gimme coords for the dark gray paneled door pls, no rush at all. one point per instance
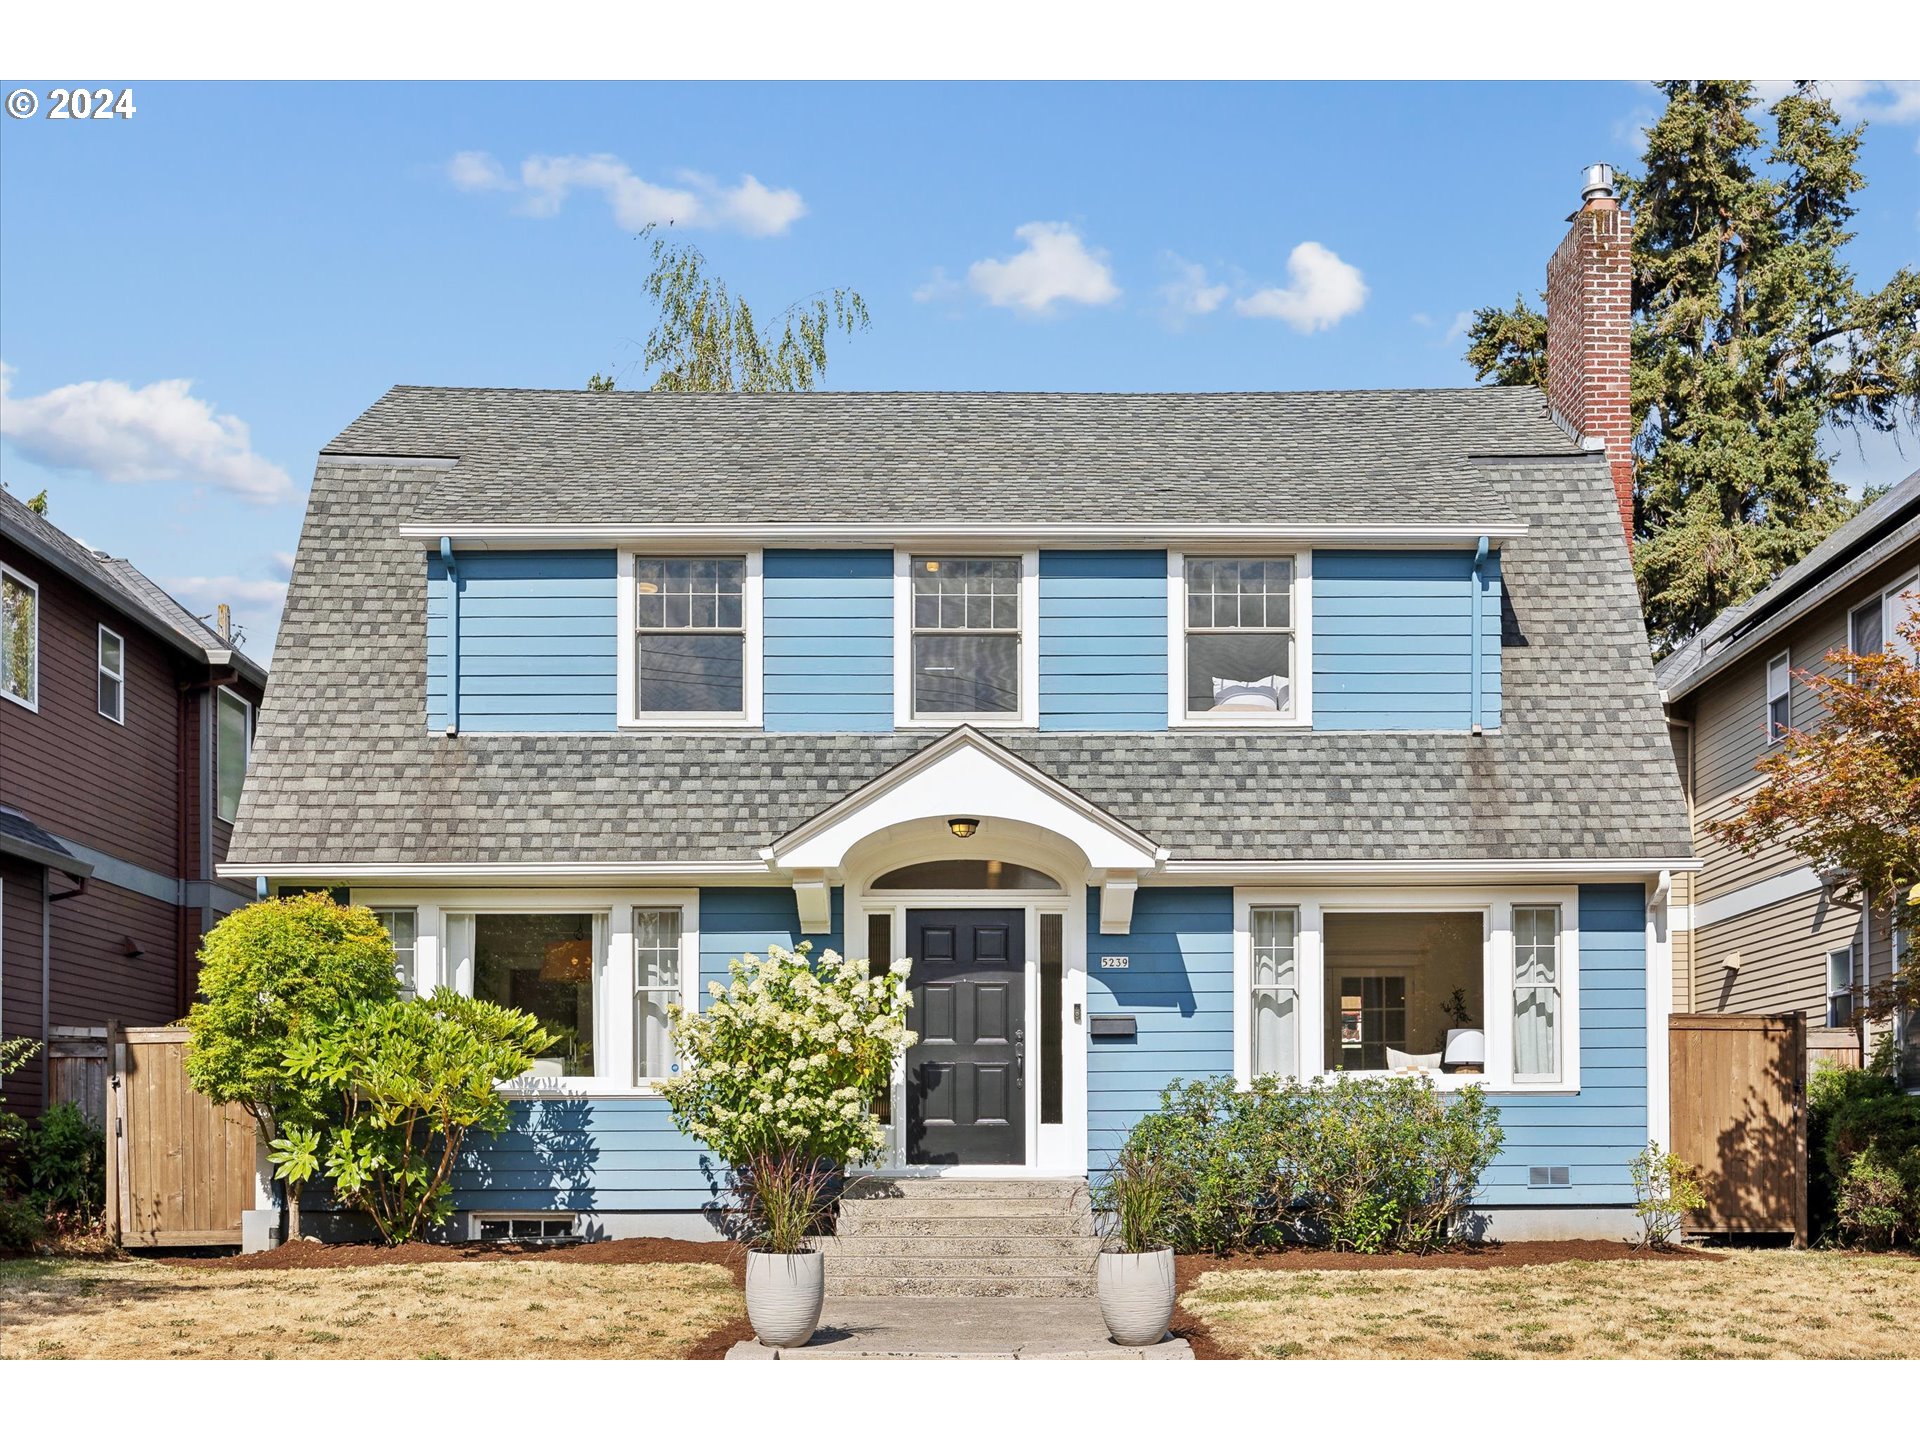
(966, 1091)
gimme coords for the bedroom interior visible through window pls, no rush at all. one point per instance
(1239, 637)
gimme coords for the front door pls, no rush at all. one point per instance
(966, 1080)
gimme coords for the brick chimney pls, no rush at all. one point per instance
(1589, 330)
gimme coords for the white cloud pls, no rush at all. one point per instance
(1056, 265)
(1893, 101)
(1462, 322)
(1322, 290)
(694, 202)
(938, 287)
(158, 433)
(1190, 291)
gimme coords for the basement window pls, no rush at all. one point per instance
(526, 1229)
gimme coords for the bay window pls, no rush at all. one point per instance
(965, 636)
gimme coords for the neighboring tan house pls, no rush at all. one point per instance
(124, 730)
(1762, 934)
(1171, 735)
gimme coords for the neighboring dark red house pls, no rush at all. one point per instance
(125, 725)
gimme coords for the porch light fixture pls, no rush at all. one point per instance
(963, 827)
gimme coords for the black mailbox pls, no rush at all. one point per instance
(1113, 1027)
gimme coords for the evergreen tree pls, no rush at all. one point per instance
(1749, 334)
(704, 337)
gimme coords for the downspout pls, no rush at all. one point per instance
(453, 635)
(1473, 623)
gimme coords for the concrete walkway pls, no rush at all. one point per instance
(918, 1329)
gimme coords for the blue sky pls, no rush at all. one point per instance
(194, 300)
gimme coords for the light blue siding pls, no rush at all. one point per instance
(1393, 640)
(538, 640)
(744, 920)
(1178, 984)
(828, 637)
(1103, 640)
(1596, 1132)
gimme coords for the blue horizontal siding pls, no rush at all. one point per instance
(1393, 640)
(538, 636)
(828, 640)
(1103, 640)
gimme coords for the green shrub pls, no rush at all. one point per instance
(1369, 1164)
(1864, 1135)
(20, 1224)
(67, 1166)
(1666, 1189)
(1878, 1204)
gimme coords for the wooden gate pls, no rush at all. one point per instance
(179, 1168)
(77, 1069)
(1739, 1114)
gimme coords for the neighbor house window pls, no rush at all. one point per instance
(1399, 986)
(402, 927)
(1274, 932)
(657, 985)
(19, 639)
(1876, 624)
(112, 660)
(231, 744)
(1536, 992)
(1239, 638)
(546, 965)
(1779, 697)
(1840, 988)
(966, 636)
(690, 636)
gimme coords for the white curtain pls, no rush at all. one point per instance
(1276, 1028)
(1536, 992)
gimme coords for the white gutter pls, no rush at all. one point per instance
(316, 870)
(1234, 871)
(886, 533)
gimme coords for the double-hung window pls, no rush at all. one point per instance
(112, 660)
(1239, 639)
(19, 639)
(1536, 992)
(656, 985)
(402, 925)
(966, 643)
(233, 740)
(1840, 988)
(690, 637)
(1876, 624)
(1274, 931)
(1779, 697)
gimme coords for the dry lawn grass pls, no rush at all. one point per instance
(56, 1309)
(1749, 1305)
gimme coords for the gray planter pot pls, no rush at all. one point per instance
(1136, 1295)
(784, 1294)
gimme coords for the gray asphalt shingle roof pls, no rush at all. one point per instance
(1330, 457)
(345, 768)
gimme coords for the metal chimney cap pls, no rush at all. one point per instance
(1596, 182)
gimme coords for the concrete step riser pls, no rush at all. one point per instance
(963, 1225)
(870, 1189)
(984, 1207)
(984, 1266)
(959, 1288)
(1046, 1247)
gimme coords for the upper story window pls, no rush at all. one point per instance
(1779, 696)
(233, 741)
(19, 639)
(691, 651)
(113, 676)
(1840, 1003)
(968, 650)
(1239, 660)
(1876, 624)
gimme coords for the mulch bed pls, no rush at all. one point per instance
(311, 1255)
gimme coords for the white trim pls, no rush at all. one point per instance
(1518, 869)
(1494, 903)
(1299, 716)
(1785, 660)
(1026, 717)
(7, 572)
(891, 535)
(751, 715)
(403, 872)
(1787, 885)
(1659, 1009)
(245, 760)
(102, 672)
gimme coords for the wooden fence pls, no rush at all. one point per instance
(1738, 1086)
(180, 1169)
(77, 1069)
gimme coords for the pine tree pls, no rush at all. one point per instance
(1750, 334)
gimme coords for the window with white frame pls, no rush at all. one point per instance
(19, 639)
(233, 740)
(1536, 992)
(1779, 696)
(112, 663)
(965, 624)
(1274, 933)
(657, 984)
(1840, 988)
(1239, 647)
(690, 636)
(1876, 624)
(1404, 990)
(402, 926)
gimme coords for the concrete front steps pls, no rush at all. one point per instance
(1014, 1239)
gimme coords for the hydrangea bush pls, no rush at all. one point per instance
(779, 1074)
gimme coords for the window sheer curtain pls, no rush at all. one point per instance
(1276, 991)
(1536, 992)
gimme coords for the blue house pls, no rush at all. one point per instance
(1171, 735)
